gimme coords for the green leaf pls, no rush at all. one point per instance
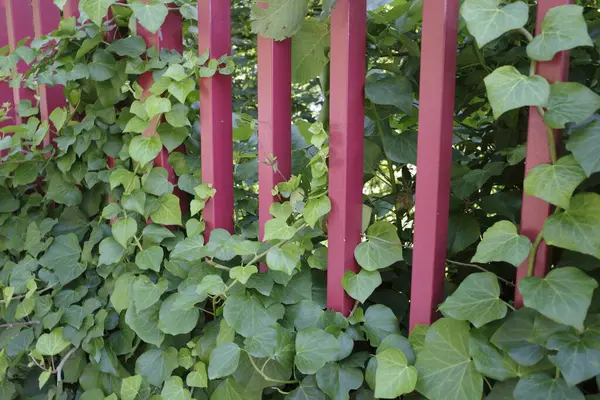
(278, 229)
(62, 192)
(309, 45)
(176, 321)
(145, 324)
(487, 21)
(394, 377)
(476, 300)
(578, 357)
(285, 258)
(247, 315)
(176, 72)
(360, 286)
(111, 252)
(123, 230)
(282, 19)
(58, 118)
(132, 46)
(157, 182)
(96, 10)
(508, 89)
(446, 371)
(169, 212)
(120, 295)
(392, 91)
(545, 387)
(501, 242)
(51, 344)
(224, 360)
(157, 105)
(380, 322)
(198, 377)
(577, 228)
(181, 90)
(130, 387)
(315, 209)
(570, 102)
(395, 341)
(137, 125)
(44, 376)
(103, 66)
(62, 257)
(157, 365)
(463, 231)
(584, 143)
(178, 116)
(145, 293)
(190, 249)
(338, 380)
(150, 258)
(150, 15)
(555, 183)
(174, 390)
(382, 248)
(229, 389)
(314, 349)
(563, 28)
(514, 337)
(144, 149)
(307, 390)
(172, 137)
(243, 274)
(489, 360)
(564, 295)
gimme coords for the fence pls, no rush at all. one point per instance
(33, 18)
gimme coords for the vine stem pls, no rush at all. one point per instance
(479, 267)
(265, 376)
(59, 369)
(533, 252)
(12, 325)
(38, 293)
(216, 265)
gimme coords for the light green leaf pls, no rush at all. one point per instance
(198, 377)
(247, 315)
(121, 294)
(285, 258)
(570, 102)
(446, 371)
(133, 202)
(132, 46)
(58, 118)
(584, 143)
(111, 252)
(150, 15)
(176, 72)
(172, 137)
(224, 360)
(174, 390)
(156, 182)
(578, 357)
(176, 321)
(145, 293)
(130, 387)
(169, 212)
(157, 365)
(43, 378)
(508, 89)
(314, 349)
(144, 149)
(280, 20)
(137, 125)
(150, 258)
(394, 377)
(563, 28)
(51, 344)
(309, 45)
(501, 242)
(360, 286)
(157, 105)
(337, 380)
(243, 274)
(476, 300)
(315, 209)
(96, 10)
(544, 387)
(178, 116)
(278, 229)
(190, 249)
(123, 230)
(380, 322)
(564, 295)
(487, 21)
(577, 228)
(395, 341)
(382, 248)
(555, 183)
(229, 389)
(181, 90)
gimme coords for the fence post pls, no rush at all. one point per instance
(535, 210)
(434, 157)
(346, 145)
(214, 35)
(6, 93)
(274, 120)
(71, 9)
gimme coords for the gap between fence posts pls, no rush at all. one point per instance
(535, 211)
(346, 145)
(434, 157)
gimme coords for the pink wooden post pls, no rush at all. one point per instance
(534, 210)
(348, 44)
(71, 9)
(434, 157)
(6, 93)
(214, 33)
(274, 119)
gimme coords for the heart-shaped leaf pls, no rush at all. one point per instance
(501, 242)
(570, 102)
(360, 286)
(487, 21)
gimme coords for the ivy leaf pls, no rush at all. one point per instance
(476, 300)
(380, 322)
(169, 212)
(243, 274)
(309, 45)
(224, 360)
(157, 182)
(157, 105)
(285, 258)
(446, 371)
(280, 20)
(501, 242)
(513, 337)
(181, 90)
(315, 209)
(174, 390)
(144, 149)
(360, 286)
(145, 293)
(198, 377)
(578, 357)
(563, 28)
(96, 10)
(555, 183)
(58, 117)
(176, 321)
(392, 91)
(399, 342)
(150, 258)
(229, 389)
(157, 365)
(172, 137)
(111, 252)
(487, 21)
(103, 66)
(130, 387)
(545, 387)
(151, 15)
(132, 202)
(338, 380)
(247, 315)
(51, 344)
(278, 229)
(490, 361)
(463, 231)
(307, 390)
(314, 349)
(584, 143)
(382, 248)
(564, 295)
(508, 89)
(145, 324)
(60, 191)
(393, 377)
(577, 228)
(132, 46)
(123, 230)
(570, 102)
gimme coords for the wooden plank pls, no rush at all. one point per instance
(434, 157)
(348, 44)
(6, 92)
(214, 34)
(534, 211)
(274, 121)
